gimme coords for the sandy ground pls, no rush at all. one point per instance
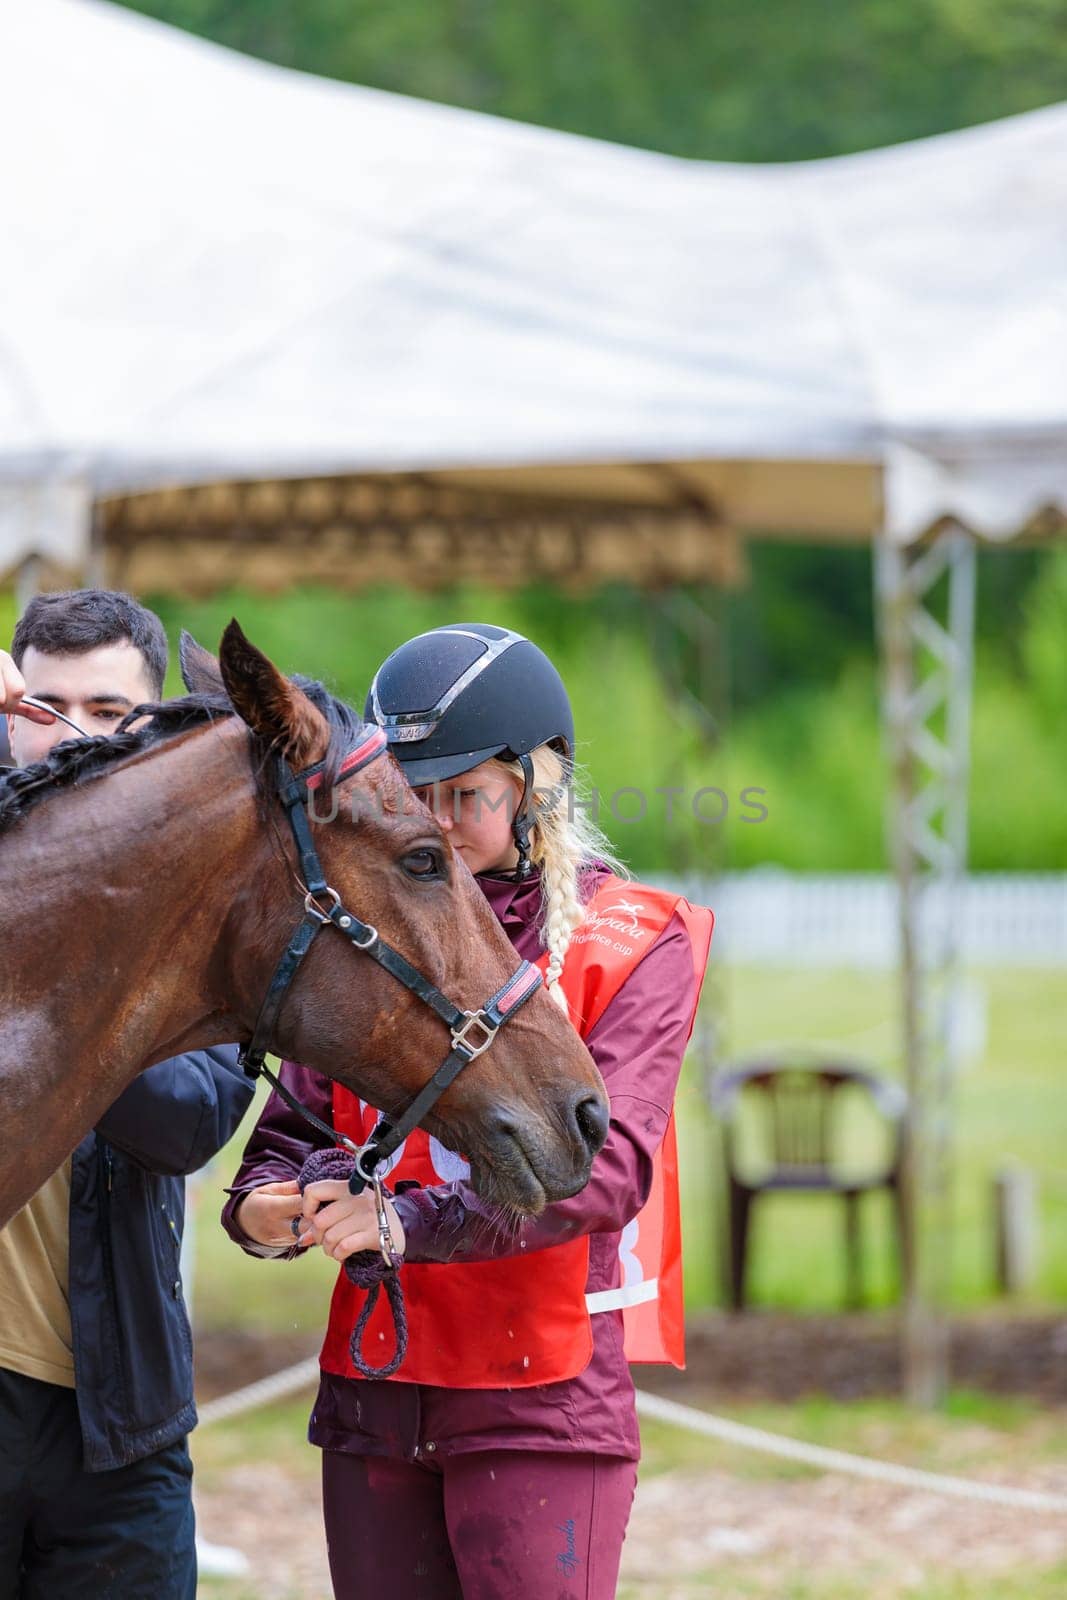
(716, 1532)
(692, 1533)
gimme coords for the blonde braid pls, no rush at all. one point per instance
(563, 910)
(563, 840)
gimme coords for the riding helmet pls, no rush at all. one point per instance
(451, 698)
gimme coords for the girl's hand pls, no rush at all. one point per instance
(266, 1213)
(343, 1223)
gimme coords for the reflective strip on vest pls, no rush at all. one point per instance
(619, 1299)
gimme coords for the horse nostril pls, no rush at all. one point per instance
(504, 1126)
(591, 1115)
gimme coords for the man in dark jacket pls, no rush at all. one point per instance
(96, 1383)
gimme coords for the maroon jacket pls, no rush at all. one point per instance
(638, 1044)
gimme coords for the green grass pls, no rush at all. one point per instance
(237, 1589)
(1008, 1104)
(971, 1432)
(273, 1433)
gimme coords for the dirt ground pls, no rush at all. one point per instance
(697, 1531)
(768, 1356)
(693, 1533)
(759, 1356)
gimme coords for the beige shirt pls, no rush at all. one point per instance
(35, 1336)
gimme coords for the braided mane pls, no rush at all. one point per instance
(76, 762)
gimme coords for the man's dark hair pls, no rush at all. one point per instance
(82, 619)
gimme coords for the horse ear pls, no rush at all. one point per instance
(200, 670)
(276, 709)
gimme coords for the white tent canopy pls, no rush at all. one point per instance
(214, 268)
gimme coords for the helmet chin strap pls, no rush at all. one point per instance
(520, 827)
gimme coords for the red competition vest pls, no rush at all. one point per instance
(524, 1320)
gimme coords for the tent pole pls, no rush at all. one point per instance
(925, 607)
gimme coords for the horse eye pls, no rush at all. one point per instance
(422, 864)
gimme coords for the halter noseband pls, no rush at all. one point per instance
(472, 1032)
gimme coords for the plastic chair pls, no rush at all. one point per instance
(799, 1103)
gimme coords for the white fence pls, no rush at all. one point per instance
(774, 917)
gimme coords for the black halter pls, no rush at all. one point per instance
(471, 1031)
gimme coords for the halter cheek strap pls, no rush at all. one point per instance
(520, 828)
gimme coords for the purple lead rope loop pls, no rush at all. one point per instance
(390, 1276)
(368, 1269)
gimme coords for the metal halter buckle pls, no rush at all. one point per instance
(475, 1019)
(313, 909)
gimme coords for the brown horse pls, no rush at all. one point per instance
(144, 908)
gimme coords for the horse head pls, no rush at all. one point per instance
(530, 1112)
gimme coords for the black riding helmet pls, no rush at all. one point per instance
(452, 698)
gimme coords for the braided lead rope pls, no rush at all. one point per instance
(367, 1270)
(395, 1296)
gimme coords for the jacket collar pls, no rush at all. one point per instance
(513, 903)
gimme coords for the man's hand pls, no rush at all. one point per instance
(266, 1214)
(12, 689)
(343, 1223)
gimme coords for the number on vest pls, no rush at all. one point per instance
(632, 1270)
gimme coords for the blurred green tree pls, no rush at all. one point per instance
(729, 81)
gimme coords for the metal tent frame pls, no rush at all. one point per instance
(925, 612)
(925, 596)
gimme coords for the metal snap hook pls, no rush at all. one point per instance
(385, 1233)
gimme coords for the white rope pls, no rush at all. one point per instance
(278, 1387)
(293, 1379)
(817, 1455)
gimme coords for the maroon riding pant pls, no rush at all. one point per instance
(494, 1525)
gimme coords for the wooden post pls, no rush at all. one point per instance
(1015, 1226)
(27, 581)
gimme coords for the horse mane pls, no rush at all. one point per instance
(76, 762)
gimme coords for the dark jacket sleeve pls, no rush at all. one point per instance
(280, 1143)
(638, 1044)
(178, 1114)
